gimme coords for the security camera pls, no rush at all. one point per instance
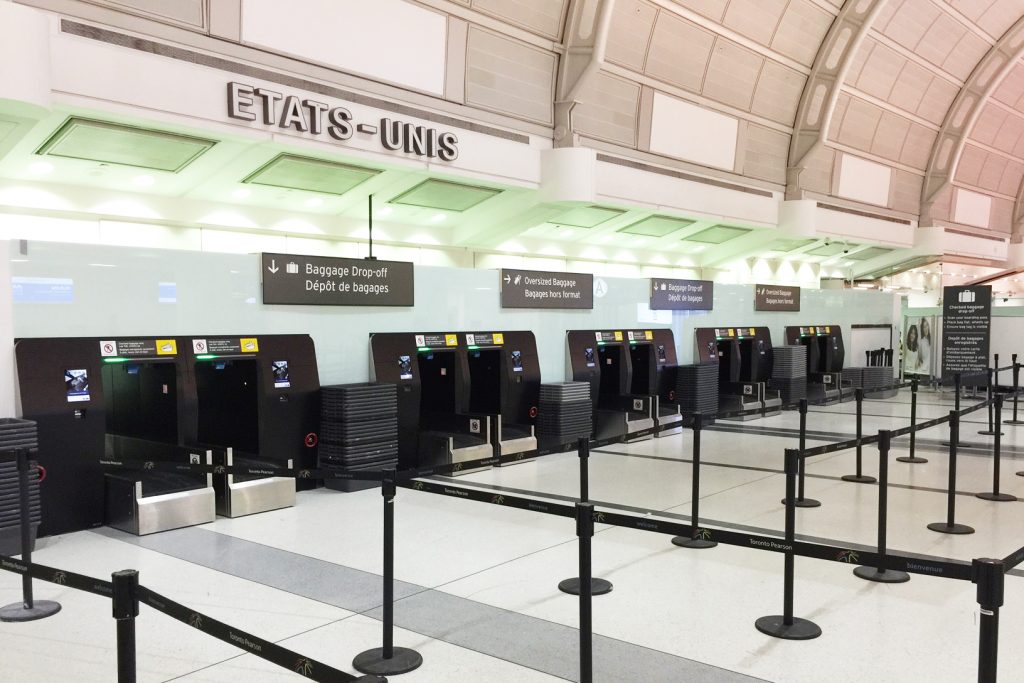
(846, 251)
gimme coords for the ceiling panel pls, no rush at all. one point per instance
(869, 253)
(607, 109)
(112, 143)
(310, 175)
(540, 16)
(755, 19)
(679, 52)
(801, 31)
(778, 91)
(656, 226)
(732, 74)
(717, 234)
(830, 249)
(632, 23)
(712, 9)
(787, 245)
(508, 76)
(586, 216)
(446, 195)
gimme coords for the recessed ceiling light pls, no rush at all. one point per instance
(41, 168)
(385, 211)
(314, 201)
(437, 218)
(567, 232)
(241, 193)
(699, 249)
(143, 180)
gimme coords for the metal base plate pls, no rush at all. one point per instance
(40, 610)
(990, 432)
(698, 543)
(597, 586)
(1013, 422)
(914, 460)
(863, 479)
(403, 660)
(996, 497)
(804, 502)
(800, 629)
(883, 576)
(944, 528)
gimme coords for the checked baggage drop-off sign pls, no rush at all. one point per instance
(325, 281)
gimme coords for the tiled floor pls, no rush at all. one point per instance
(477, 593)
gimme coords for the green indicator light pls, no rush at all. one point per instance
(474, 346)
(206, 356)
(600, 343)
(423, 348)
(115, 360)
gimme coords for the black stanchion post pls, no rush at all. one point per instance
(880, 572)
(994, 494)
(912, 458)
(572, 586)
(785, 625)
(991, 431)
(1016, 390)
(950, 526)
(585, 532)
(859, 477)
(125, 606)
(29, 609)
(697, 538)
(388, 660)
(989, 577)
(801, 501)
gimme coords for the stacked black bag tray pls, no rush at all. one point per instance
(697, 388)
(358, 430)
(15, 434)
(877, 377)
(789, 372)
(565, 413)
(854, 377)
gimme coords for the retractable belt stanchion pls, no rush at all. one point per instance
(1016, 390)
(912, 458)
(950, 526)
(388, 660)
(957, 383)
(801, 501)
(585, 532)
(697, 540)
(989, 577)
(785, 625)
(991, 431)
(572, 586)
(994, 494)
(859, 477)
(125, 604)
(880, 572)
(29, 609)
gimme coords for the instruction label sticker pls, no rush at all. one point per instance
(250, 344)
(166, 347)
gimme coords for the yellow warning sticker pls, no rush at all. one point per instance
(166, 347)
(828, 329)
(811, 329)
(648, 335)
(250, 344)
(752, 331)
(499, 338)
(451, 340)
(732, 332)
(618, 336)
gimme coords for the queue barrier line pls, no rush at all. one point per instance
(1013, 559)
(259, 647)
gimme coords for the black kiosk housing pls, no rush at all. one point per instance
(632, 380)
(825, 356)
(461, 395)
(138, 398)
(744, 358)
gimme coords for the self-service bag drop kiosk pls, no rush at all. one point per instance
(136, 399)
(825, 356)
(604, 358)
(461, 395)
(744, 359)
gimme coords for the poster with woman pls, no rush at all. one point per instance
(919, 350)
(911, 349)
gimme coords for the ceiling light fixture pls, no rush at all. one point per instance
(41, 168)
(437, 218)
(241, 193)
(143, 180)
(314, 202)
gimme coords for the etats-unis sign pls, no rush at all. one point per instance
(304, 115)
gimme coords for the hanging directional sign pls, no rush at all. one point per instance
(325, 281)
(543, 289)
(776, 298)
(682, 295)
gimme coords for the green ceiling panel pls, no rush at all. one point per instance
(445, 195)
(717, 234)
(656, 226)
(586, 216)
(310, 175)
(869, 253)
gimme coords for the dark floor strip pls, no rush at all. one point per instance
(517, 638)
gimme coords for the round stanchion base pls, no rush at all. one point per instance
(40, 610)
(698, 543)
(804, 502)
(990, 432)
(862, 479)
(914, 461)
(1013, 422)
(944, 528)
(1021, 473)
(597, 586)
(775, 626)
(996, 497)
(372, 662)
(881, 576)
